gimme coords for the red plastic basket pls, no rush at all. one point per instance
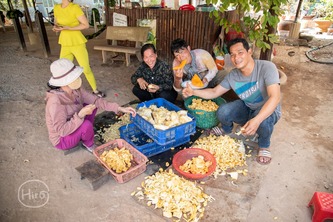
(138, 164)
(187, 154)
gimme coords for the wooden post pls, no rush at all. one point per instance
(298, 10)
(43, 34)
(294, 30)
(94, 18)
(27, 16)
(19, 31)
(3, 25)
(106, 12)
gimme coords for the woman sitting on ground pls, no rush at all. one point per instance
(70, 109)
(154, 78)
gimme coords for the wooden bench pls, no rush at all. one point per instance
(138, 35)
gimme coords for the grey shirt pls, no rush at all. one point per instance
(253, 89)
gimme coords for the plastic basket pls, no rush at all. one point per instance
(204, 119)
(164, 137)
(138, 164)
(142, 142)
(187, 154)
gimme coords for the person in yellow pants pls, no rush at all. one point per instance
(69, 20)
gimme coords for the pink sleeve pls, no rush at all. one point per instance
(58, 118)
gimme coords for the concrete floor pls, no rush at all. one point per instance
(301, 146)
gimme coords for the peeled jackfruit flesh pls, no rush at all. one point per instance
(196, 81)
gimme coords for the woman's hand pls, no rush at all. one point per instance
(153, 88)
(204, 80)
(57, 28)
(142, 83)
(129, 109)
(86, 110)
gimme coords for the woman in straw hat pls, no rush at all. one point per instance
(70, 109)
(69, 20)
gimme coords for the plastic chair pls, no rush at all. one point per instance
(187, 7)
(322, 206)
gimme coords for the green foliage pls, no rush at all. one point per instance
(154, 2)
(255, 28)
(151, 39)
(12, 14)
(324, 9)
(3, 5)
(10, 5)
(112, 3)
(6, 5)
(97, 16)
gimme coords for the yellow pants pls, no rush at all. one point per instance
(81, 55)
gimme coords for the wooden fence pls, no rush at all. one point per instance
(195, 27)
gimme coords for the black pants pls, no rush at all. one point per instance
(144, 95)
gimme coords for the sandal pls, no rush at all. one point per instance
(264, 153)
(100, 94)
(217, 131)
(89, 148)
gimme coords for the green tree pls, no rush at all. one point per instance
(324, 9)
(3, 5)
(16, 4)
(260, 29)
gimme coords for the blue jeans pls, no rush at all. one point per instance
(238, 112)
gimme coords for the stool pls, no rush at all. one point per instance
(322, 206)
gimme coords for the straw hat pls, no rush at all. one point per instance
(64, 72)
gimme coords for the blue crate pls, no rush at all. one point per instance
(139, 140)
(163, 137)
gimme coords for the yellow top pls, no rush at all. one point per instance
(68, 17)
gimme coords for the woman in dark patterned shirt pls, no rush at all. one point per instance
(154, 78)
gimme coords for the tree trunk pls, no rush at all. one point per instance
(267, 55)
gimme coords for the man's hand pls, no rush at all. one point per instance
(179, 73)
(251, 127)
(188, 91)
(204, 80)
(86, 110)
(178, 76)
(142, 83)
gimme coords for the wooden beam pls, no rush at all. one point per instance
(42, 32)
(27, 16)
(18, 29)
(298, 9)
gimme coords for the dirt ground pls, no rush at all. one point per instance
(40, 183)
